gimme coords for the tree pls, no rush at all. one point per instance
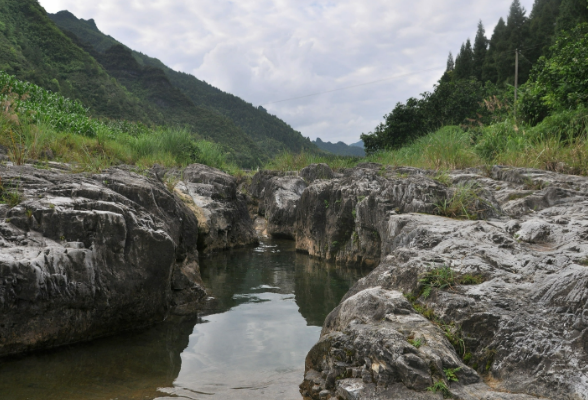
(480, 50)
(497, 47)
(464, 61)
(515, 35)
(560, 81)
(572, 12)
(405, 123)
(542, 22)
(450, 63)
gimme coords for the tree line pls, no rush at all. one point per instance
(477, 87)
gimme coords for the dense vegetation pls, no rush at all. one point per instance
(37, 125)
(477, 88)
(183, 99)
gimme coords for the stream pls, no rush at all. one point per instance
(271, 304)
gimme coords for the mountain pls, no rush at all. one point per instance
(357, 144)
(178, 94)
(340, 148)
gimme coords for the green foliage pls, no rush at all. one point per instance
(10, 196)
(559, 82)
(441, 387)
(465, 203)
(326, 204)
(416, 342)
(451, 374)
(439, 278)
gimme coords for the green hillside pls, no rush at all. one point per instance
(340, 148)
(270, 133)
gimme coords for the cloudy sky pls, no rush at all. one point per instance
(266, 51)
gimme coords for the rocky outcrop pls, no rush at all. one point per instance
(275, 197)
(223, 217)
(83, 256)
(506, 319)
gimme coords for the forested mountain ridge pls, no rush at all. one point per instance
(477, 88)
(270, 133)
(340, 148)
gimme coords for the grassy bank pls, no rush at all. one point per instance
(556, 144)
(37, 125)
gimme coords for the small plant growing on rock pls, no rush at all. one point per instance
(416, 342)
(354, 213)
(450, 374)
(465, 203)
(29, 213)
(443, 178)
(326, 204)
(440, 278)
(52, 206)
(441, 387)
(171, 182)
(583, 262)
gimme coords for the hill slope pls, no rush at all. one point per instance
(340, 148)
(270, 133)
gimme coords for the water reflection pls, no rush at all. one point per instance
(271, 305)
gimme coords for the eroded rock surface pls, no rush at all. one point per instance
(224, 221)
(84, 256)
(517, 329)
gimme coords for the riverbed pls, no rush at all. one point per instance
(270, 305)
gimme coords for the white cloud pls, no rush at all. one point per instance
(269, 50)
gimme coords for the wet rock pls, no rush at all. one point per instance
(85, 256)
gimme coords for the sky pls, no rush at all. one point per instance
(267, 51)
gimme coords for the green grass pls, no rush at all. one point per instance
(465, 203)
(38, 125)
(440, 387)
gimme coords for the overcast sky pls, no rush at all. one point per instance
(265, 51)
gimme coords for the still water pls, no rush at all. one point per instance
(272, 303)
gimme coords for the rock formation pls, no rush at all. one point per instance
(490, 304)
(89, 255)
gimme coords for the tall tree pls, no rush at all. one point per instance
(480, 50)
(515, 35)
(572, 12)
(450, 63)
(464, 62)
(542, 22)
(496, 48)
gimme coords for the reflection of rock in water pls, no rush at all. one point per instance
(320, 287)
(130, 366)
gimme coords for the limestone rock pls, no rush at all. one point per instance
(85, 256)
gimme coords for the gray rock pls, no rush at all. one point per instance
(223, 218)
(85, 256)
(518, 332)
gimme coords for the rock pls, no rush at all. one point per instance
(277, 196)
(514, 313)
(85, 256)
(316, 171)
(223, 219)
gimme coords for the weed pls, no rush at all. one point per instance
(11, 197)
(416, 342)
(360, 199)
(338, 201)
(530, 184)
(443, 178)
(440, 278)
(326, 204)
(519, 195)
(62, 238)
(440, 387)
(465, 203)
(171, 182)
(52, 206)
(334, 244)
(469, 279)
(355, 238)
(583, 262)
(354, 213)
(29, 213)
(450, 374)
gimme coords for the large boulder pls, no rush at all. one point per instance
(84, 256)
(223, 217)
